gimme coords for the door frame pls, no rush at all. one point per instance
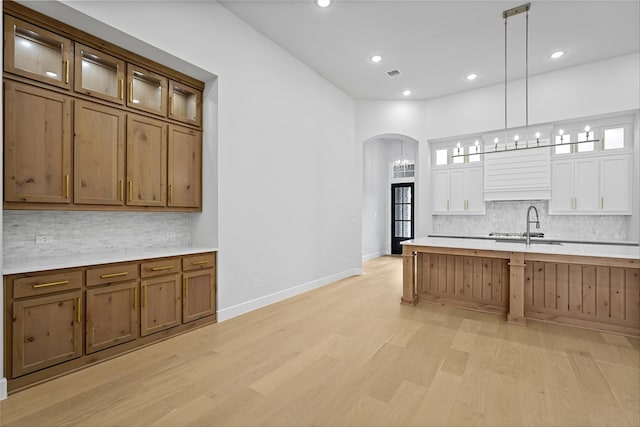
(413, 208)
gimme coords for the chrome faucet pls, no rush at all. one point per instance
(537, 221)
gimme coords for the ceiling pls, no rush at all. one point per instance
(435, 44)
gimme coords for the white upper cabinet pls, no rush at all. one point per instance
(596, 185)
(458, 191)
(615, 184)
(457, 177)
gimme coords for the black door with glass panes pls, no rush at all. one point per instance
(401, 215)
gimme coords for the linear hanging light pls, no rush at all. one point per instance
(525, 8)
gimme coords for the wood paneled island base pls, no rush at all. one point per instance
(601, 293)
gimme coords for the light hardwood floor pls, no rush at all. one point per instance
(350, 354)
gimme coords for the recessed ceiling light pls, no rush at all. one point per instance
(376, 58)
(472, 76)
(556, 55)
(406, 92)
(323, 3)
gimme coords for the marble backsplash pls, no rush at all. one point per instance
(510, 217)
(80, 232)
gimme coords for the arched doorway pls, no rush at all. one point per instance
(388, 193)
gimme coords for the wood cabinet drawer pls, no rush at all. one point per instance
(160, 267)
(111, 274)
(41, 284)
(196, 262)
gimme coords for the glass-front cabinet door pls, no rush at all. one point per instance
(38, 54)
(147, 91)
(185, 103)
(98, 74)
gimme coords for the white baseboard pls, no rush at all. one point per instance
(254, 304)
(369, 257)
(3, 389)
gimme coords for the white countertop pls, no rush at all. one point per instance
(546, 238)
(84, 259)
(578, 249)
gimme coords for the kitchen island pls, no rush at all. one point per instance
(595, 286)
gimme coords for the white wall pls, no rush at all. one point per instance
(587, 90)
(375, 182)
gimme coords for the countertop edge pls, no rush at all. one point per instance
(98, 258)
(571, 249)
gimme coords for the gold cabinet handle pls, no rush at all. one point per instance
(186, 287)
(144, 296)
(164, 267)
(601, 202)
(121, 82)
(107, 276)
(66, 71)
(135, 298)
(131, 92)
(79, 310)
(44, 285)
(199, 262)
(130, 196)
(170, 193)
(171, 104)
(66, 186)
(447, 205)
(121, 190)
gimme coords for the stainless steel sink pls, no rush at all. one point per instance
(533, 242)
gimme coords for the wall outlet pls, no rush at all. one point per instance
(171, 234)
(43, 239)
(256, 283)
(588, 230)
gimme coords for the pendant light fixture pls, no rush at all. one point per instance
(515, 141)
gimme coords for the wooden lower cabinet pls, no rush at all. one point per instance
(62, 320)
(46, 331)
(112, 315)
(161, 304)
(199, 295)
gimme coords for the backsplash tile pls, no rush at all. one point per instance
(510, 217)
(80, 232)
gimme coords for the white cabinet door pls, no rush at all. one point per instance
(441, 191)
(474, 190)
(457, 191)
(561, 186)
(585, 184)
(615, 184)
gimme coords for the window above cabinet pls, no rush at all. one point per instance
(457, 152)
(605, 135)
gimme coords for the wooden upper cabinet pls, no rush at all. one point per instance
(185, 167)
(98, 154)
(98, 74)
(185, 103)
(146, 91)
(36, 53)
(37, 145)
(146, 161)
